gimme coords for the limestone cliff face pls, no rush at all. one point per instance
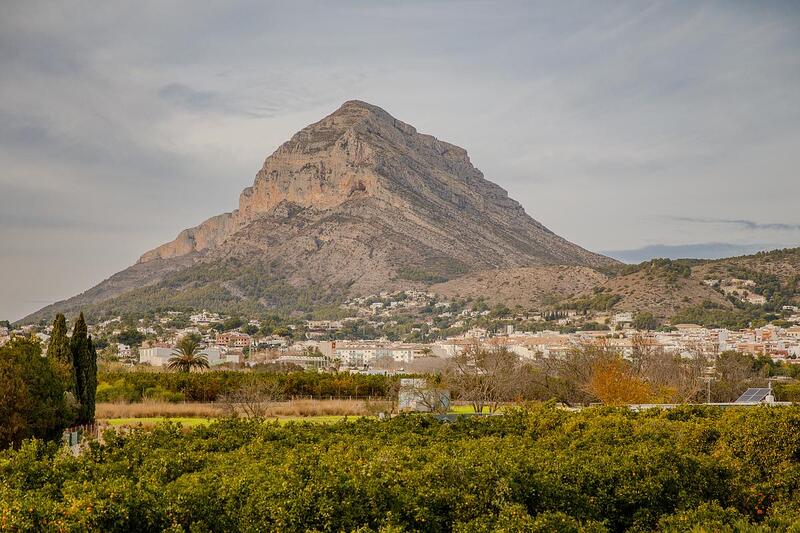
(210, 233)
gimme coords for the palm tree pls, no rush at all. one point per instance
(186, 356)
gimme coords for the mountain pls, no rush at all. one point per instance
(356, 203)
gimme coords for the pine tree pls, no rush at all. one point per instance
(84, 360)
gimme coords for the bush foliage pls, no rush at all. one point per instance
(121, 386)
(540, 469)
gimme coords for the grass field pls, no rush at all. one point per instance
(296, 408)
(465, 409)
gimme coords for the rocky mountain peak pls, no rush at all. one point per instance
(360, 159)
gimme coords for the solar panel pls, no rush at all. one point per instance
(753, 395)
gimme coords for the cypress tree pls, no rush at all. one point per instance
(58, 347)
(91, 382)
(58, 351)
(84, 361)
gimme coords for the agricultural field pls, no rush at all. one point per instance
(535, 469)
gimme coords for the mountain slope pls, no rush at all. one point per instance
(356, 203)
(529, 287)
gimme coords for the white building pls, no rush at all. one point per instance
(155, 356)
(204, 318)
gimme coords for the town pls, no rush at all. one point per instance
(414, 331)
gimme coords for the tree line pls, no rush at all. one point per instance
(487, 376)
(135, 385)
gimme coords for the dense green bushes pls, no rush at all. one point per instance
(211, 386)
(538, 470)
(712, 315)
(32, 399)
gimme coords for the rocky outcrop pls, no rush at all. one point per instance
(210, 233)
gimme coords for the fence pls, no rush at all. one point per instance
(75, 436)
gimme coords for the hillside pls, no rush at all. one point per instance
(730, 291)
(356, 203)
(657, 289)
(528, 287)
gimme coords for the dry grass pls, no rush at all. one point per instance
(294, 408)
(326, 407)
(150, 409)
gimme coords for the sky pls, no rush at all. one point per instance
(638, 129)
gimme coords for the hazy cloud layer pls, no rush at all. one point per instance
(745, 224)
(618, 125)
(710, 250)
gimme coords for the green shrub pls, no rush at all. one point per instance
(32, 394)
(211, 386)
(117, 391)
(159, 393)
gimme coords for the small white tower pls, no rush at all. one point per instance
(769, 398)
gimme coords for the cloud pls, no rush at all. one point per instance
(154, 115)
(741, 223)
(709, 250)
(191, 99)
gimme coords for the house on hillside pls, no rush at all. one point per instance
(233, 339)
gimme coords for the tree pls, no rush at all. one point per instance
(233, 322)
(735, 373)
(32, 399)
(430, 392)
(90, 387)
(187, 356)
(566, 377)
(131, 337)
(674, 379)
(250, 329)
(645, 321)
(58, 347)
(59, 352)
(485, 376)
(253, 398)
(614, 383)
(84, 362)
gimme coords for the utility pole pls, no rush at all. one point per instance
(708, 377)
